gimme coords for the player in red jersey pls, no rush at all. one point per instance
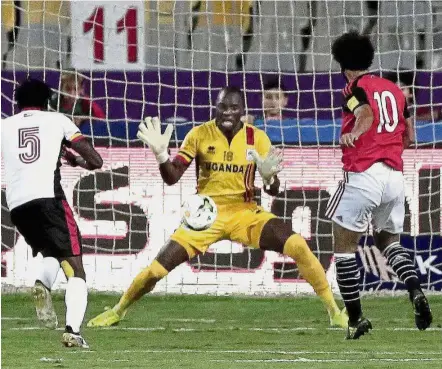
(375, 129)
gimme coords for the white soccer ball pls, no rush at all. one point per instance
(198, 212)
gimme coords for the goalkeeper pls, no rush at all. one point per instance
(227, 153)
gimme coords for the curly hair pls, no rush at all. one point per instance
(353, 51)
(32, 93)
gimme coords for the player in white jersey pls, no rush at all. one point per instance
(33, 142)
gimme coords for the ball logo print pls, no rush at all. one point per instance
(199, 212)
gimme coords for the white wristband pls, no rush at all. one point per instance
(162, 157)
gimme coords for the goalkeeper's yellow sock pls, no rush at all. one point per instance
(311, 269)
(143, 283)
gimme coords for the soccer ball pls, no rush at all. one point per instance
(199, 212)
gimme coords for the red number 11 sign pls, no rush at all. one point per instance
(108, 34)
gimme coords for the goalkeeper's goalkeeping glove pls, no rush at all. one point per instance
(270, 166)
(149, 132)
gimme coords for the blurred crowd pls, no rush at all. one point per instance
(73, 100)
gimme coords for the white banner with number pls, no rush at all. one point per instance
(107, 35)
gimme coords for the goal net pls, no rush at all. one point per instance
(169, 58)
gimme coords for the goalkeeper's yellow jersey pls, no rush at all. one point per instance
(225, 172)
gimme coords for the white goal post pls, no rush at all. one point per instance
(169, 58)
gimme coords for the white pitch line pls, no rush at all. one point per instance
(251, 329)
(275, 352)
(144, 329)
(14, 318)
(231, 321)
(223, 329)
(305, 360)
(208, 321)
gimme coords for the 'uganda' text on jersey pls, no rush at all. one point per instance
(31, 148)
(224, 172)
(383, 142)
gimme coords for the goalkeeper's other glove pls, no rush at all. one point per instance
(149, 132)
(270, 166)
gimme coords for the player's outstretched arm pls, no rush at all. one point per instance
(172, 171)
(364, 120)
(89, 158)
(149, 132)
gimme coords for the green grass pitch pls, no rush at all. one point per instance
(223, 332)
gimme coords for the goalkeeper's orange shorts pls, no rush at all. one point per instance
(242, 223)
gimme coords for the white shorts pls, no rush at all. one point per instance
(378, 193)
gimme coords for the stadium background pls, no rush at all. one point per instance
(183, 53)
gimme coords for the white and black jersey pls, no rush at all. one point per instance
(31, 148)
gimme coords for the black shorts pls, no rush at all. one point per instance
(49, 227)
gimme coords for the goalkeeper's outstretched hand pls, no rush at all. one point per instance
(270, 166)
(149, 132)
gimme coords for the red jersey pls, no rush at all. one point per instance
(384, 140)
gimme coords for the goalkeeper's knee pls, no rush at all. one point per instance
(296, 247)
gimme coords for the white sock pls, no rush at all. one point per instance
(76, 302)
(48, 270)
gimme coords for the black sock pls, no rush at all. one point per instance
(347, 276)
(37, 281)
(68, 329)
(400, 260)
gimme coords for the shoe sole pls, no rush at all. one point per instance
(361, 330)
(423, 316)
(70, 341)
(44, 308)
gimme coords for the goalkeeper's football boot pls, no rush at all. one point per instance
(422, 312)
(339, 319)
(72, 339)
(106, 319)
(43, 305)
(362, 326)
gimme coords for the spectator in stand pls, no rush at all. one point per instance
(73, 101)
(406, 83)
(274, 101)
